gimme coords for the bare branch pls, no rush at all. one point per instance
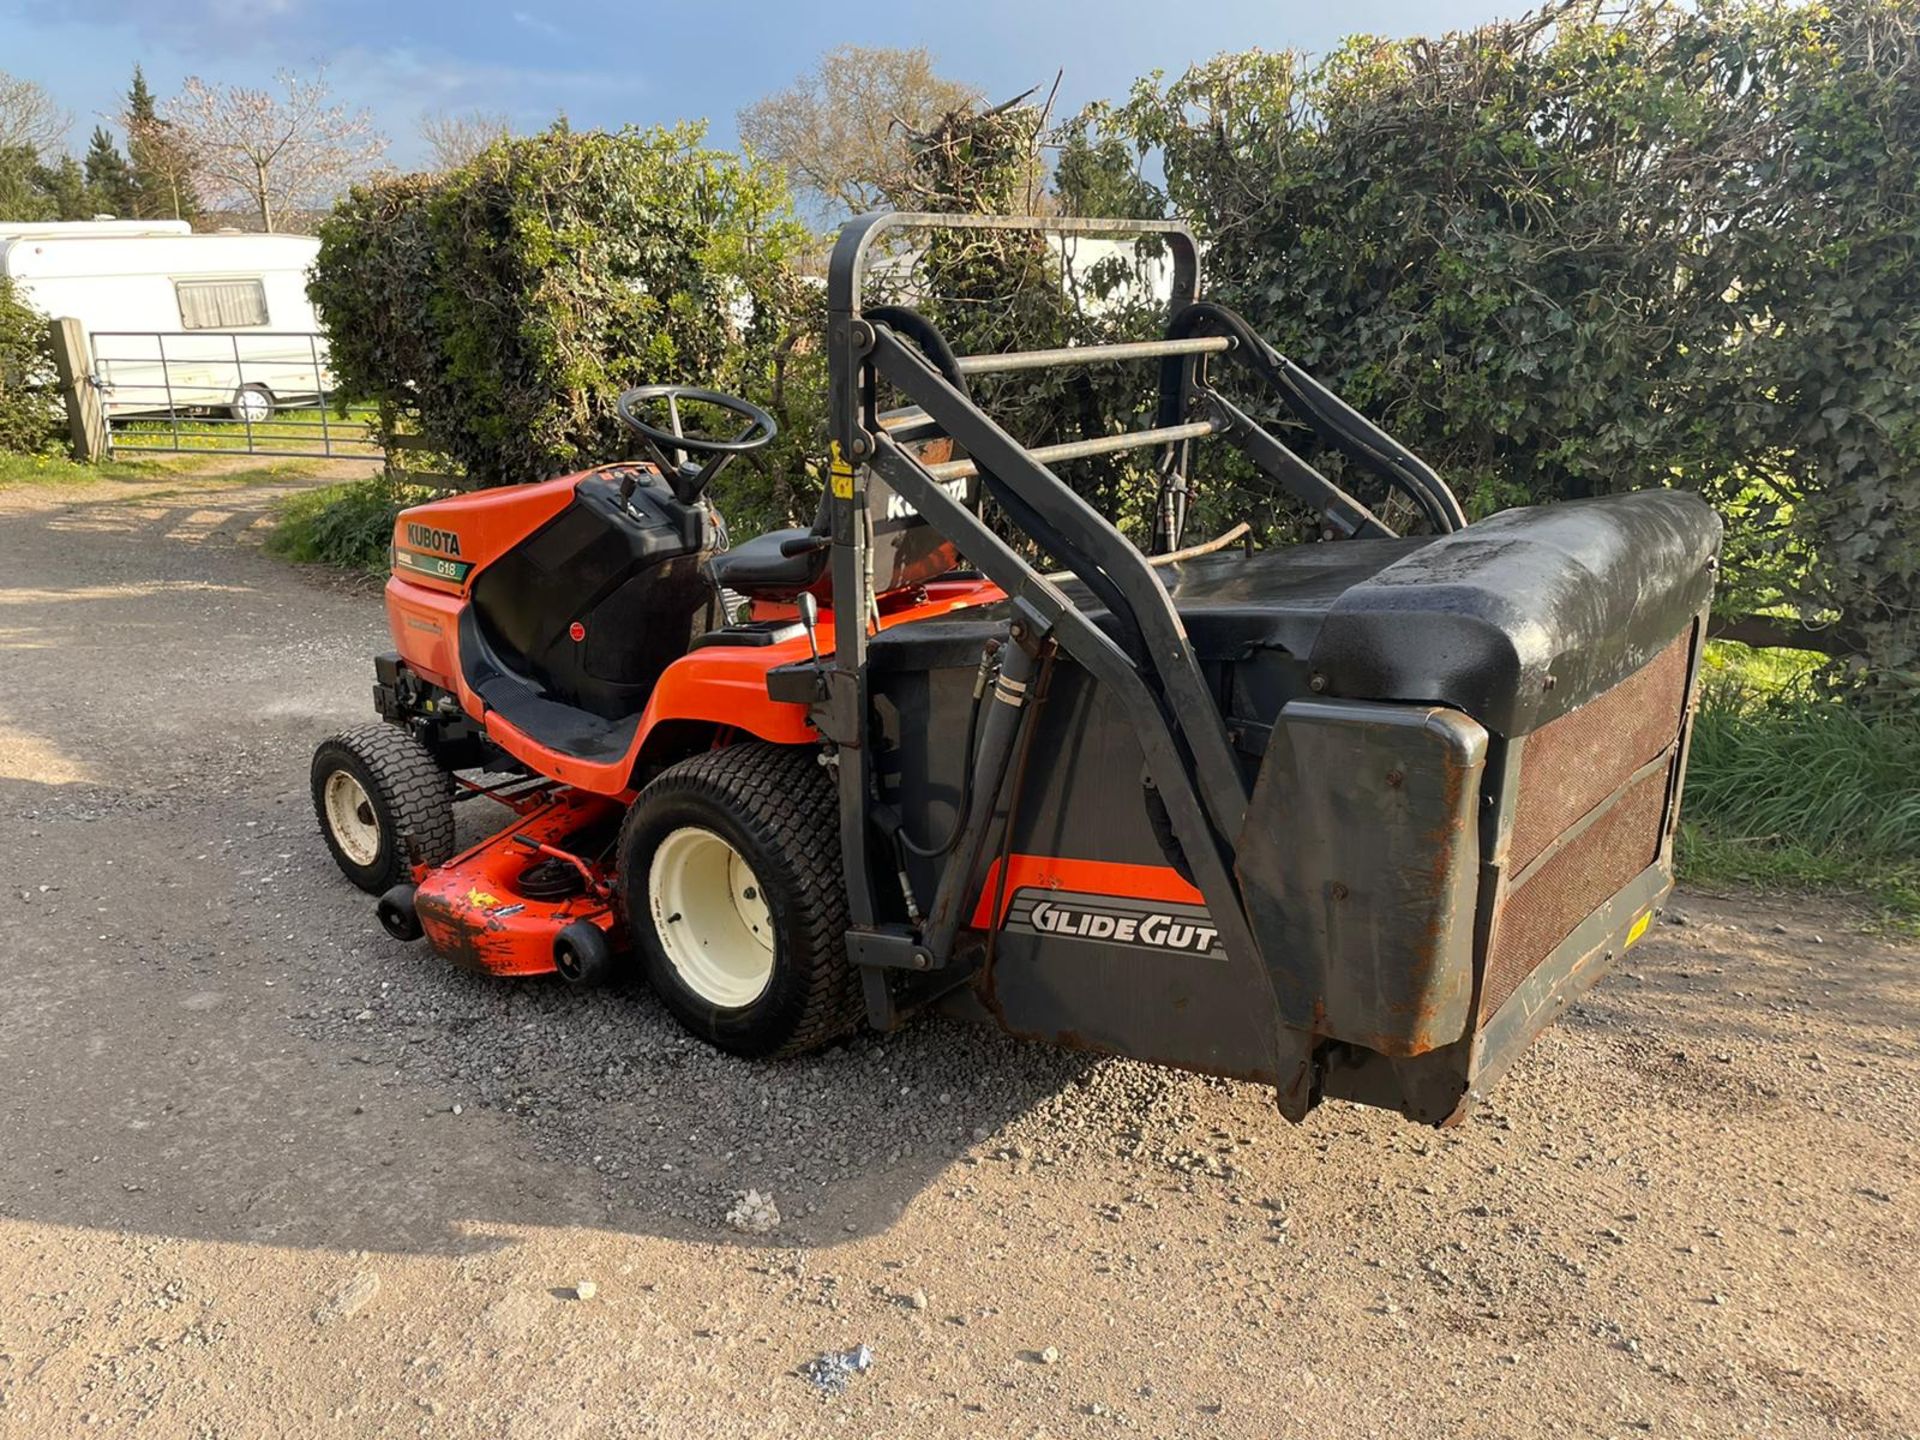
(840, 131)
(456, 140)
(273, 154)
(29, 118)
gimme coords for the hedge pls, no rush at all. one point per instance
(29, 412)
(498, 310)
(1595, 250)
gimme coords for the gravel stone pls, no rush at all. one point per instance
(753, 1213)
(350, 1299)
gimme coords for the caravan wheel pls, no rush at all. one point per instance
(252, 405)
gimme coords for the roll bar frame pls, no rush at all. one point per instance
(1148, 664)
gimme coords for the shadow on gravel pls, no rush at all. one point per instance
(205, 1034)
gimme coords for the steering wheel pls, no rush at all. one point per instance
(668, 449)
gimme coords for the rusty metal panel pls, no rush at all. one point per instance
(1565, 974)
(1590, 811)
(1359, 863)
(1572, 882)
(1573, 763)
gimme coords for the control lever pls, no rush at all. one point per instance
(809, 609)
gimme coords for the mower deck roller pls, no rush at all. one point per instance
(1353, 818)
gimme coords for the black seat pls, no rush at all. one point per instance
(904, 551)
(756, 569)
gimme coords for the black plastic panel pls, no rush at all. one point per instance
(631, 581)
(1525, 615)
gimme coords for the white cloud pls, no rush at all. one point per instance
(538, 25)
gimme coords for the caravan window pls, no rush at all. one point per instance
(221, 304)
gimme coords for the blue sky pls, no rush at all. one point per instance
(645, 61)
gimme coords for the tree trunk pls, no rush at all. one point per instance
(260, 194)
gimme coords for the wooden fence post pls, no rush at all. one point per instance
(86, 416)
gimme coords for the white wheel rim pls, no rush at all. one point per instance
(351, 819)
(254, 406)
(710, 912)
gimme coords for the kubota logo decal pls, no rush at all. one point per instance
(898, 507)
(428, 538)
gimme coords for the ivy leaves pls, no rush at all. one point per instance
(1572, 254)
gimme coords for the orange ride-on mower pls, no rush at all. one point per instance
(1353, 818)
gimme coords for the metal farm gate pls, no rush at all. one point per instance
(250, 392)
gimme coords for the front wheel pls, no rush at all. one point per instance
(730, 876)
(383, 805)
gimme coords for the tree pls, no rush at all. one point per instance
(32, 127)
(457, 139)
(22, 196)
(65, 185)
(109, 176)
(162, 166)
(273, 154)
(841, 131)
(29, 118)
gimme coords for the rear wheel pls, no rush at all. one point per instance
(382, 801)
(730, 876)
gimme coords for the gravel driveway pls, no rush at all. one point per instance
(265, 1171)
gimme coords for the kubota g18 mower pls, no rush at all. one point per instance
(1355, 818)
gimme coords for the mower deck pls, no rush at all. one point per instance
(497, 907)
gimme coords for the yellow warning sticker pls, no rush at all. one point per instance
(842, 470)
(480, 899)
(1639, 927)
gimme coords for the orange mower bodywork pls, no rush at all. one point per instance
(479, 908)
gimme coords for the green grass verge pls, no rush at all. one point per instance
(22, 470)
(348, 526)
(1790, 788)
(50, 471)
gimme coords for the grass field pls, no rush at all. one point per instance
(16, 470)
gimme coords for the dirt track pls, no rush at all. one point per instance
(263, 1171)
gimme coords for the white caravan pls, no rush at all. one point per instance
(178, 321)
(10, 229)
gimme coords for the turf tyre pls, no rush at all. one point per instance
(407, 813)
(775, 806)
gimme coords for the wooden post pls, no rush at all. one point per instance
(86, 416)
